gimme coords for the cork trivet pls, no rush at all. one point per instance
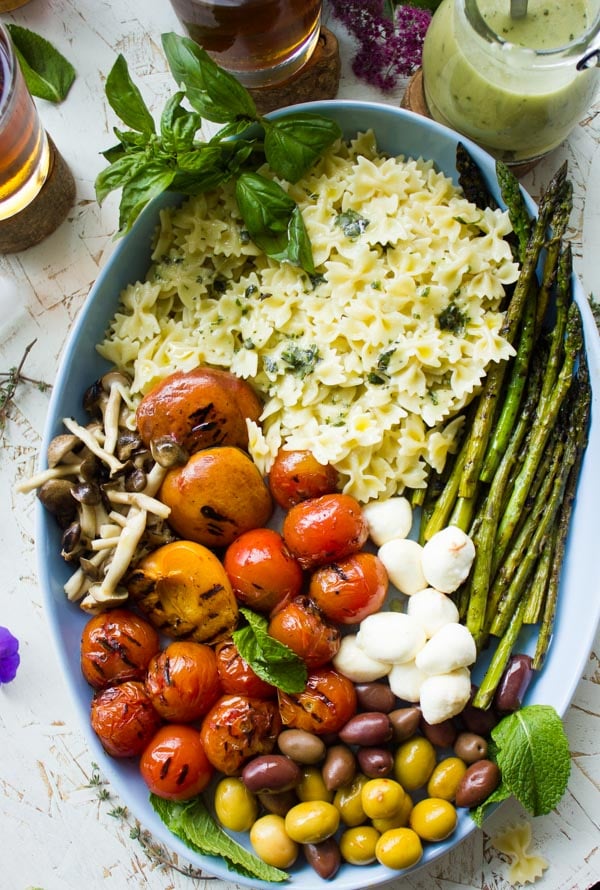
(414, 100)
(45, 213)
(318, 79)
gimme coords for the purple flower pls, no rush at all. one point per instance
(9, 655)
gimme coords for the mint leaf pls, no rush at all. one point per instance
(271, 660)
(532, 752)
(478, 814)
(192, 823)
(47, 73)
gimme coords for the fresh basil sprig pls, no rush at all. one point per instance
(149, 159)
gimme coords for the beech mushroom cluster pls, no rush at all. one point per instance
(100, 484)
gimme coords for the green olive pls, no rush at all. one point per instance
(272, 843)
(348, 801)
(414, 762)
(357, 844)
(312, 785)
(399, 848)
(398, 820)
(236, 807)
(446, 777)
(382, 798)
(312, 821)
(433, 819)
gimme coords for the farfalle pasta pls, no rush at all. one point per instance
(370, 362)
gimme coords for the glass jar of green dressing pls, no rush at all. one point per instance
(516, 86)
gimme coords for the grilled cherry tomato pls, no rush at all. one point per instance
(116, 645)
(297, 475)
(123, 718)
(262, 571)
(348, 590)
(174, 765)
(183, 681)
(236, 728)
(325, 705)
(300, 626)
(325, 529)
(237, 676)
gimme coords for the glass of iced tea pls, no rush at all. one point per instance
(261, 42)
(24, 148)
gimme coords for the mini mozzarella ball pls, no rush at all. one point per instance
(451, 647)
(402, 559)
(353, 662)
(405, 681)
(391, 636)
(388, 519)
(432, 609)
(447, 559)
(443, 696)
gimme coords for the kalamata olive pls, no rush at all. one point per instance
(470, 747)
(513, 684)
(375, 762)
(325, 857)
(442, 735)
(368, 728)
(375, 697)
(480, 779)
(477, 719)
(339, 767)
(271, 772)
(301, 746)
(278, 802)
(405, 722)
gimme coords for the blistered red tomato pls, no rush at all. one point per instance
(300, 626)
(325, 529)
(326, 704)
(183, 681)
(297, 475)
(174, 764)
(348, 590)
(237, 676)
(236, 728)
(124, 718)
(262, 571)
(116, 645)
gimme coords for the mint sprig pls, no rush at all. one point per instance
(48, 74)
(271, 660)
(532, 753)
(148, 159)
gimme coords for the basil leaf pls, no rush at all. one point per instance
(149, 181)
(47, 73)
(126, 100)
(294, 143)
(117, 175)
(178, 127)
(271, 660)
(215, 93)
(299, 250)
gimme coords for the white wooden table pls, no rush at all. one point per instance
(60, 829)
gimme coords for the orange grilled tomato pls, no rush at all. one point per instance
(348, 590)
(262, 571)
(236, 728)
(297, 475)
(325, 529)
(123, 718)
(183, 681)
(300, 626)
(326, 704)
(237, 676)
(173, 764)
(116, 645)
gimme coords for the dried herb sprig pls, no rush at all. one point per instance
(9, 382)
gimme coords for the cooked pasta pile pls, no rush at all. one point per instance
(369, 363)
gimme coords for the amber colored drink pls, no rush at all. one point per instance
(24, 149)
(261, 42)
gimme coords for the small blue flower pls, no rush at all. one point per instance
(9, 655)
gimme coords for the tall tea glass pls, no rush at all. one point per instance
(261, 42)
(24, 148)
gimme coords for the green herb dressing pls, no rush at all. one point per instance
(547, 25)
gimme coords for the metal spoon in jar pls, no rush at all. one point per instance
(518, 9)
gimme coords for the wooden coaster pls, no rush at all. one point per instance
(318, 79)
(45, 213)
(414, 100)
